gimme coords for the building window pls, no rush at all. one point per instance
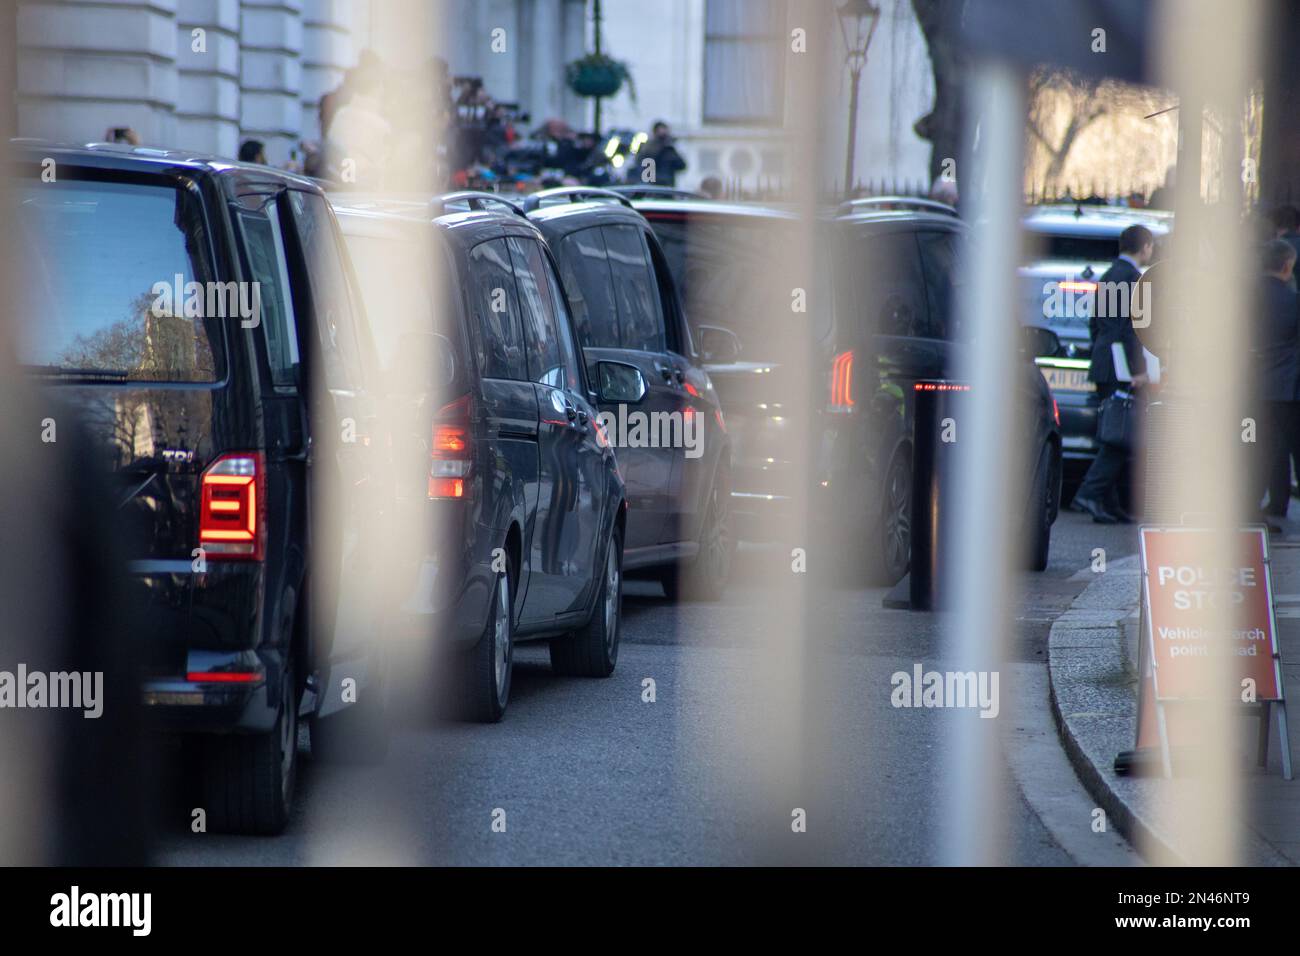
(744, 79)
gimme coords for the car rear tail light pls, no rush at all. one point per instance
(1056, 412)
(1073, 285)
(842, 382)
(452, 453)
(231, 524)
(223, 677)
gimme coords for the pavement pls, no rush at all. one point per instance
(1092, 665)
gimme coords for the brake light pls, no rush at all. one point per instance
(1072, 285)
(1056, 412)
(451, 454)
(842, 382)
(223, 677)
(231, 524)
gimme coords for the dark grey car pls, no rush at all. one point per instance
(627, 310)
(501, 454)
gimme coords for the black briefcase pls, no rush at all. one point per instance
(1117, 420)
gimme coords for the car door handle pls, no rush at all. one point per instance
(577, 418)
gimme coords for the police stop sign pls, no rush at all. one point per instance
(1182, 590)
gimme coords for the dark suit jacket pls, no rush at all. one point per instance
(1277, 337)
(1115, 327)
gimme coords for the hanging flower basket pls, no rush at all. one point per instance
(598, 75)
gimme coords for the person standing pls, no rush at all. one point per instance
(1111, 323)
(662, 149)
(1278, 373)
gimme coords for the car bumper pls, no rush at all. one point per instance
(200, 701)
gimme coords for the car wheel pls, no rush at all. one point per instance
(895, 547)
(248, 780)
(592, 650)
(484, 685)
(705, 576)
(1042, 505)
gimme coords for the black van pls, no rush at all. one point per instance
(674, 446)
(500, 454)
(886, 321)
(199, 316)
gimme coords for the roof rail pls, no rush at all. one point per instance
(897, 202)
(573, 194)
(656, 192)
(474, 201)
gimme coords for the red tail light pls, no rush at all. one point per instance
(451, 453)
(1056, 412)
(231, 524)
(223, 677)
(842, 382)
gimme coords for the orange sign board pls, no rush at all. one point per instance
(1181, 589)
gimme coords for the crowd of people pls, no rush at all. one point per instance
(471, 139)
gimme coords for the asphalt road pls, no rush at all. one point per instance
(587, 772)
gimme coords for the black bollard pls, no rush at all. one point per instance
(933, 473)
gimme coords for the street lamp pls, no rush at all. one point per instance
(858, 19)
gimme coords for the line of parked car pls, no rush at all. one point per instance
(445, 459)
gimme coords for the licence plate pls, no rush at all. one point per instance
(1068, 379)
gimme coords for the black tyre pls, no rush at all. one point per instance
(247, 781)
(592, 650)
(1041, 511)
(482, 681)
(705, 576)
(893, 552)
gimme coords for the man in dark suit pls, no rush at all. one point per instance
(1277, 367)
(1112, 323)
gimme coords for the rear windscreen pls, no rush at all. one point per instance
(1077, 248)
(397, 282)
(116, 283)
(723, 269)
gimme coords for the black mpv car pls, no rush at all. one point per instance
(673, 446)
(501, 457)
(197, 313)
(887, 323)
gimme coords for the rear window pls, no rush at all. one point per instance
(397, 282)
(729, 272)
(1066, 308)
(1077, 248)
(118, 283)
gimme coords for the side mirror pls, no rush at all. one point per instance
(1036, 340)
(426, 362)
(718, 344)
(619, 383)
